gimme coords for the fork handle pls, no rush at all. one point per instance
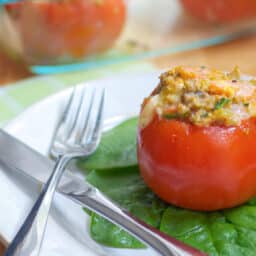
(28, 240)
(160, 242)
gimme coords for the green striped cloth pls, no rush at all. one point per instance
(14, 98)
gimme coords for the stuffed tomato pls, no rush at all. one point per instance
(66, 31)
(197, 138)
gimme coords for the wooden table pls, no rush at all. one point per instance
(241, 52)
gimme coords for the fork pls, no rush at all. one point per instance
(77, 135)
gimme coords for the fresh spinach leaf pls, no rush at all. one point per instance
(189, 227)
(230, 249)
(244, 216)
(124, 186)
(252, 201)
(127, 188)
(108, 234)
(211, 233)
(117, 148)
(246, 238)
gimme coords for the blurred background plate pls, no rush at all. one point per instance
(154, 28)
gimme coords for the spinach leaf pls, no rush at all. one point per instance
(252, 201)
(243, 216)
(221, 230)
(108, 234)
(128, 189)
(211, 233)
(230, 249)
(117, 148)
(124, 186)
(189, 227)
(246, 238)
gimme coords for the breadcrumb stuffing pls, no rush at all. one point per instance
(204, 96)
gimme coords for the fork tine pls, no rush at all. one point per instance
(94, 136)
(84, 119)
(80, 115)
(67, 108)
(65, 118)
(72, 113)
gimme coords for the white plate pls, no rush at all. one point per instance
(67, 232)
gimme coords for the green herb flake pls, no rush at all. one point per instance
(221, 103)
(204, 115)
(171, 116)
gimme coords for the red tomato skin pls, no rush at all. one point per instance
(199, 168)
(220, 10)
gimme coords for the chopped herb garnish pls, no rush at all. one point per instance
(204, 115)
(171, 116)
(176, 115)
(221, 103)
(186, 114)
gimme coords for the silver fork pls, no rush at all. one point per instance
(77, 135)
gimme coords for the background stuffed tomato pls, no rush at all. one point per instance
(220, 10)
(67, 29)
(200, 168)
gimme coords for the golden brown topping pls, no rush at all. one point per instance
(205, 96)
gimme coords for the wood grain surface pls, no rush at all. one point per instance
(10, 71)
(1, 249)
(240, 52)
